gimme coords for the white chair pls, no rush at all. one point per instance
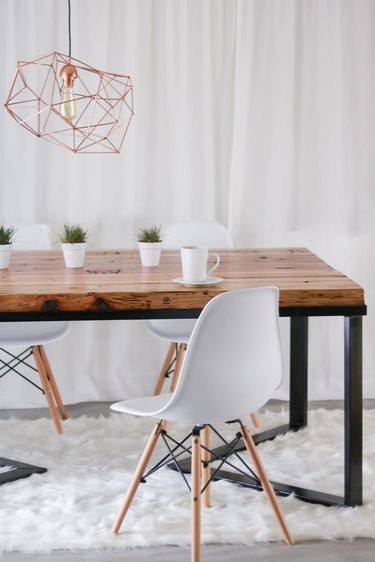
(32, 336)
(178, 332)
(237, 333)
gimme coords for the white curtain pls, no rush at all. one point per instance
(256, 113)
(303, 151)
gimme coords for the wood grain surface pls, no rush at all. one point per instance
(115, 280)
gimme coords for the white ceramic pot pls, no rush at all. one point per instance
(149, 253)
(5, 252)
(74, 254)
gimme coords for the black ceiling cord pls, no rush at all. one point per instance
(69, 30)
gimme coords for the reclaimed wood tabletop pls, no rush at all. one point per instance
(38, 281)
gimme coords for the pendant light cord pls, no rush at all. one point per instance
(69, 30)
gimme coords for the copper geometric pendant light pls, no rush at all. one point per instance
(70, 103)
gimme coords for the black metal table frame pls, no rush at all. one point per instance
(18, 470)
(298, 385)
(298, 414)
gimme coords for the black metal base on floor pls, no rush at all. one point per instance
(298, 414)
(19, 470)
(304, 494)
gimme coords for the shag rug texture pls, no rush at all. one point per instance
(74, 504)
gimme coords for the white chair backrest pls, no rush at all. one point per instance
(234, 359)
(196, 233)
(32, 237)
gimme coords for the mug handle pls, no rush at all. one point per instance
(216, 264)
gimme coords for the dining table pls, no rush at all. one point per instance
(113, 284)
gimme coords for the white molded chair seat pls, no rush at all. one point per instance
(34, 335)
(174, 330)
(143, 406)
(232, 365)
(14, 334)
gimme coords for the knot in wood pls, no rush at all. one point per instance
(102, 306)
(50, 306)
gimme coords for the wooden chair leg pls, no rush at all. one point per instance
(196, 499)
(140, 470)
(53, 383)
(164, 369)
(178, 365)
(255, 420)
(267, 487)
(47, 389)
(206, 466)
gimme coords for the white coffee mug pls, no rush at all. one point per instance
(194, 263)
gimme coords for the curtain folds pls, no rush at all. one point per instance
(258, 114)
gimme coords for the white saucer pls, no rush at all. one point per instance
(208, 281)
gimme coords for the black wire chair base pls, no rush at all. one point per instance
(17, 469)
(170, 368)
(221, 455)
(14, 361)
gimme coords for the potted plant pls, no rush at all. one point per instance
(6, 235)
(73, 243)
(149, 245)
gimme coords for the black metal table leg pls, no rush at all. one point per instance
(298, 371)
(18, 470)
(353, 410)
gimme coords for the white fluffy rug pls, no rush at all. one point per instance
(73, 505)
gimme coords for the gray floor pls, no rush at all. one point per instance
(340, 551)
(360, 550)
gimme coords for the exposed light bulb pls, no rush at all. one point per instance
(68, 106)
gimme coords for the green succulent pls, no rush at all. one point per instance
(73, 234)
(6, 234)
(150, 234)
